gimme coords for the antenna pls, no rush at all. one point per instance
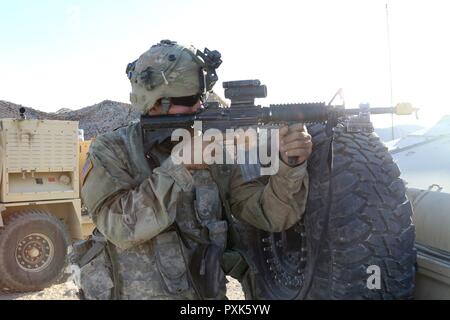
(390, 66)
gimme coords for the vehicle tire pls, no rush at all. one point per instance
(363, 220)
(33, 251)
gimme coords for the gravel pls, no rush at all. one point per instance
(68, 291)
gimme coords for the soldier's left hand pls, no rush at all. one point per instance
(295, 142)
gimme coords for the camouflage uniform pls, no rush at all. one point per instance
(166, 227)
(132, 206)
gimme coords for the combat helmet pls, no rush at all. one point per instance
(169, 70)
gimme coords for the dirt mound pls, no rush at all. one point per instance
(94, 120)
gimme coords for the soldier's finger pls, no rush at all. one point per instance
(296, 135)
(297, 127)
(297, 153)
(297, 144)
(284, 131)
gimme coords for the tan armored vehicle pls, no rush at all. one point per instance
(40, 208)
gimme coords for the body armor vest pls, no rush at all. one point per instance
(182, 262)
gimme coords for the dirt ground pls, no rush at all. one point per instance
(67, 291)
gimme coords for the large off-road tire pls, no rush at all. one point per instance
(363, 220)
(33, 251)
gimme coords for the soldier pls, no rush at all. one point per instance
(161, 228)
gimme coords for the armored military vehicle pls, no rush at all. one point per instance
(40, 208)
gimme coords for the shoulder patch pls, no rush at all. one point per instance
(88, 166)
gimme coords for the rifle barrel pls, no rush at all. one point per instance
(351, 112)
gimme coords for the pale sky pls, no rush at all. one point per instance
(71, 54)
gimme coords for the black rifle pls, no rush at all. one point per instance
(244, 113)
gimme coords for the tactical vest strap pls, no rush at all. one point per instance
(115, 271)
(222, 182)
(193, 237)
(241, 264)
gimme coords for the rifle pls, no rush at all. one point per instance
(244, 113)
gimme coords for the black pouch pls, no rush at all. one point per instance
(79, 249)
(92, 268)
(83, 251)
(206, 270)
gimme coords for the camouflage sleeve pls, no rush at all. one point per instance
(131, 216)
(272, 204)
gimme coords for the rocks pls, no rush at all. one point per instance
(68, 291)
(102, 117)
(63, 291)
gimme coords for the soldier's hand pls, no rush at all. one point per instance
(295, 143)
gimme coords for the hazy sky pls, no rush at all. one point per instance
(72, 54)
